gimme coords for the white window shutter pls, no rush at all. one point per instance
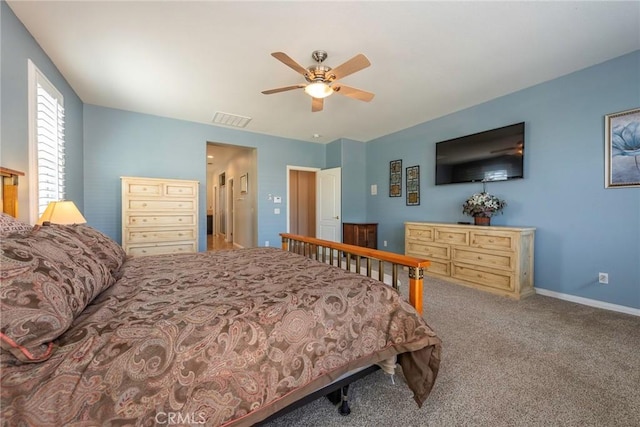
(47, 152)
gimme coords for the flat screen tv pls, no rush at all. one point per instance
(493, 155)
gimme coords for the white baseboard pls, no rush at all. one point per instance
(589, 302)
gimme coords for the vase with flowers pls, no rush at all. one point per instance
(482, 206)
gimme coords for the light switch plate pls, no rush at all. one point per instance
(374, 189)
(277, 199)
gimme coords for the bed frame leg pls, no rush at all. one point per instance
(344, 409)
(340, 398)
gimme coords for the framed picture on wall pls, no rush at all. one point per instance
(413, 185)
(244, 184)
(395, 178)
(622, 149)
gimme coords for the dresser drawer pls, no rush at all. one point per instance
(168, 220)
(140, 236)
(173, 189)
(170, 248)
(428, 250)
(418, 232)
(161, 204)
(451, 236)
(484, 276)
(494, 240)
(142, 188)
(436, 266)
(496, 259)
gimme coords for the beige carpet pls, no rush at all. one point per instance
(536, 362)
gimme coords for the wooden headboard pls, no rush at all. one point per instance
(9, 201)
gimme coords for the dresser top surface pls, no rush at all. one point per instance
(467, 226)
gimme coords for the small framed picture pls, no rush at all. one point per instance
(244, 184)
(622, 149)
(395, 178)
(413, 185)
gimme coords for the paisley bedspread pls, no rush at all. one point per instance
(215, 338)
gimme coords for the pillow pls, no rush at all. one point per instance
(47, 277)
(105, 249)
(9, 224)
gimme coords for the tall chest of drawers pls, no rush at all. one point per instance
(494, 259)
(159, 216)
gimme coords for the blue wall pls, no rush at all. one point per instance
(350, 155)
(16, 46)
(121, 143)
(582, 228)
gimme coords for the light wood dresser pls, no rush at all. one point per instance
(494, 259)
(159, 216)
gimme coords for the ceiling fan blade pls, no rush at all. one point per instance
(353, 92)
(317, 104)
(356, 63)
(283, 89)
(286, 60)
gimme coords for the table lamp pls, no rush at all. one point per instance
(61, 212)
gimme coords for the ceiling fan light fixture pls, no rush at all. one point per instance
(318, 90)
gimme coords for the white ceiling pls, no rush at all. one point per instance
(188, 60)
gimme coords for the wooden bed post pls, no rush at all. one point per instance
(285, 244)
(416, 276)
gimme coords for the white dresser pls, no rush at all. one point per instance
(494, 259)
(159, 216)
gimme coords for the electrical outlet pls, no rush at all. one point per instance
(266, 243)
(384, 243)
(603, 278)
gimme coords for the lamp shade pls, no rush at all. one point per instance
(62, 212)
(318, 90)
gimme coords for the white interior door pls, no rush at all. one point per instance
(329, 205)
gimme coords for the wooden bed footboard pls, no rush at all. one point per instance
(336, 254)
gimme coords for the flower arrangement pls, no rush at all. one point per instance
(483, 205)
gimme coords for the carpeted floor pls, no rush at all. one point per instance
(536, 362)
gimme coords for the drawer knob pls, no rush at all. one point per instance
(179, 219)
(144, 205)
(144, 220)
(144, 235)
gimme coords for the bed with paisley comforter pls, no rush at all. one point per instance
(92, 337)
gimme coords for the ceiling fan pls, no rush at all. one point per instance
(322, 79)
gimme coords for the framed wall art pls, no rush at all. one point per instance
(395, 178)
(622, 149)
(413, 185)
(244, 184)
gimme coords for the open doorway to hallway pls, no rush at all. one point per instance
(231, 208)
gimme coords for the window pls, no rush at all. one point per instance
(46, 143)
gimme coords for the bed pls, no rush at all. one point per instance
(226, 338)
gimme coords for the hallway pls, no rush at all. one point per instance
(216, 243)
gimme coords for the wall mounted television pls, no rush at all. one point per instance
(493, 155)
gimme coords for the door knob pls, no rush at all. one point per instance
(336, 217)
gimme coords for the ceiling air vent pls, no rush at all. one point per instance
(232, 120)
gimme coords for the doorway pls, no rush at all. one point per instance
(234, 211)
(229, 237)
(302, 202)
(314, 211)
